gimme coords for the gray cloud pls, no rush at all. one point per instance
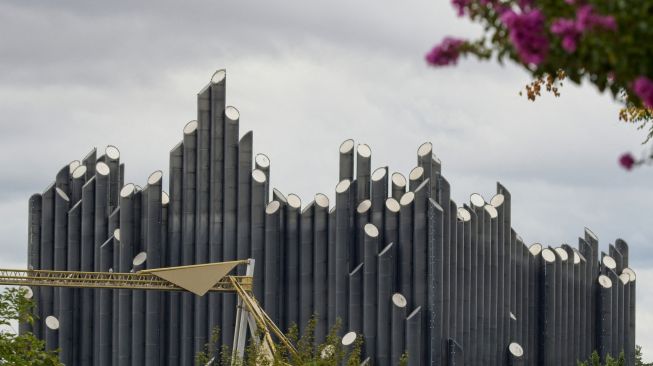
(306, 76)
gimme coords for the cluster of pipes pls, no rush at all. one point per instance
(395, 260)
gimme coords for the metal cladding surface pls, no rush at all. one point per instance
(390, 256)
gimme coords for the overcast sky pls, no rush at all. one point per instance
(306, 76)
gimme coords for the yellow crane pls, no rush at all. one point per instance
(198, 279)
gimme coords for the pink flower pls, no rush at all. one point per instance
(446, 53)
(586, 19)
(460, 6)
(566, 28)
(627, 161)
(643, 87)
(526, 31)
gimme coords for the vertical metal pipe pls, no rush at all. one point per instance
(272, 243)
(320, 266)
(100, 236)
(61, 206)
(356, 299)
(415, 178)
(632, 318)
(397, 328)
(363, 169)
(203, 200)
(229, 237)
(535, 300)
(477, 203)
(331, 266)
(78, 178)
(342, 237)
(466, 258)
(67, 322)
(34, 259)
(624, 308)
(51, 327)
(548, 317)
(218, 96)
(115, 321)
(347, 342)
(370, 289)
(113, 162)
(502, 275)
(292, 259)
(89, 162)
(385, 271)
(420, 257)
(258, 230)
(424, 157)
(154, 260)
(434, 289)
(570, 304)
(454, 353)
(605, 316)
(106, 303)
(262, 163)
(306, 266)
(614, 348)
(243, 250)
(515, 354)
(405, 250)
(471, 345)
(378, 195)
(127, 244)
(413, 337)
(363, 217)
(188, 237)
(391, 235)
(175, 214)
(398, 185)
(460, 276)
(622, 247)
(86, 265)
(593, 241)
(346, 162)
(163, 315)
(138, 315)
(586, 299)
(62, 180)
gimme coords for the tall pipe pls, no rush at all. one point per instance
(397, 328)
(51, 327)
(138, 314)
(61, 206)
(243, 247)
(203, 200)
(605, 316)
(586, 251)
(115, 320)
(434, 289)
(100, 235)
(465, 217)
(632, 318)
(391, 235)
(306, 266)
(113, 162)
(262, 163)
(398, 185)
(614, 309)
(320, 266)
(503, 247)
(405, 250)
(106, 304)
(534, 303)
(413, 337)
(624, 308)
(593, 241)
(454, 353)
(89, 162)
(189, 184)
(515, 354)
(78, 178)
(258, 230)
(291, 259)
(385, 271)
(420, 256)
(126, 249)
(415, 178)
(477, 203)
(346, 161)
(34, 259)
(363, 169)
(163, 315)
(356, 299)
(471, 345)
(229, 235)
(272, 260)
(175, 214)
(342, 239)
(548, 318)
(424, 158)
(154, 260)
(370, 289)
(379, 193)
(67, 322)
(363, 217)
(86, 265)
(331, 267)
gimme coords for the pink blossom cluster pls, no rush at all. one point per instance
(446, 53)
(586, 19)
(526, 31)
(627, 161)
(643, 87)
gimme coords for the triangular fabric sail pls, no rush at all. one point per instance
(198, 279)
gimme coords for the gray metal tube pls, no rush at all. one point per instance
(413, 337)
(434, 288)
(51, 327)
(622, 247)
(454, 353)
(115, 321)
(363, 169)
(398, 328)
(343, 192)
(465, 218)
(306, 266)
(405, 250)
(398, 183)
(385, 271)
(272, 260)
(460, 278)
(258, 230)
(61, 206)
(89, 162)
(331, 268)
(495, 342)
(605, 316)
(534, 303)
(448, 237)
(320, 266)
(100, 234)
(244, 246)
(515, 354)
(230, 234)
(86, 265)
(163, 315)
(632, 318)
(415, 178)
(113, 162)
(363, 217)
(292, 259)
(174, 252)
(420, 258)
(106, 307)
(62, 181)
(624, 307)
(370, 289)
(477, 203)
(356, 299)
(391, 235)
(346, 162)
(34, 260)
(570, 294)
(548, 316)
(189, 182)
(126, 248)
(154, 260)
(68, 299)
(203, 201)
(593, 242)
(586, 252)
(262, 163)
(78, 178)
(138, 315)
(614, 348)
(379, 194)
(424, 158)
